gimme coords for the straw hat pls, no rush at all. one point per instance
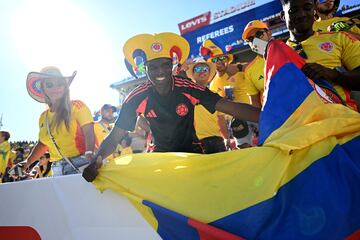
(33, 81)
(190, 70)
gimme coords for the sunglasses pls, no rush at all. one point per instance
(221, 58)
(257, 34)
(323, 1)
(198, 69)
(57, 83)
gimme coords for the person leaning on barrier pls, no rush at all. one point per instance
(66, 129)
(166, 101)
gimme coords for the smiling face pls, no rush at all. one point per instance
(201, 73)
(299, 16)
(54, 88)
(159, 72)
(221, 62)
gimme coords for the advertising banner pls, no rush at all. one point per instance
(227, 33)
(68, 208)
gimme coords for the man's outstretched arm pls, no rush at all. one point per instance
(240, 111)
(107, 147)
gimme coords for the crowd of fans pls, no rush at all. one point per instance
(329, 45)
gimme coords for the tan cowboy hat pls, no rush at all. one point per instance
(33, 81)
(212, 67)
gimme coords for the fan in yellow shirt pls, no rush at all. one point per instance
(325, 22)
(254, 72)
(224, 79)
(103, 127)
(66, 128)
(332, 50)
(334, 57)
(4, 152)
(211, 129)
(71, 141)
(254, 79)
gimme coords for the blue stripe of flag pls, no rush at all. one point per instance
(288, 88)
(322, 202)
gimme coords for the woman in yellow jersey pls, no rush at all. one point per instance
(211, 129)
(66, 127)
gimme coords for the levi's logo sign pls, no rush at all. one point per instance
(194, 23)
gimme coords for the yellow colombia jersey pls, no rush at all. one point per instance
(321, 26)
(254, 76)
(206, 124)
(237, 81)
(72, 141)
(333, 50)
(4, 156)
(101, 131)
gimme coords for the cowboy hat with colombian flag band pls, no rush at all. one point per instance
(149, 47)
(33, 81)
(210, 50)
(251, 26)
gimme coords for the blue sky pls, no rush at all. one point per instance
(82, 35)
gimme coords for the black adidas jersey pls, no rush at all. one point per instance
(171, 117)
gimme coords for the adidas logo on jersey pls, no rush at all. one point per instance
(151, 114)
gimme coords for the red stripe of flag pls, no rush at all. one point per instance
(208, 232)
(354, 236)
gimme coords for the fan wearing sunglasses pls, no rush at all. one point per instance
(224, 77)
(225, 83)
(325, 20)
(67, 123)
(254, 72)
(211, 128)
(333, 57)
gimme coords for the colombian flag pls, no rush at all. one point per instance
(303, 182)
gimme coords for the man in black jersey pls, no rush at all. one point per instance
(166, 101)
